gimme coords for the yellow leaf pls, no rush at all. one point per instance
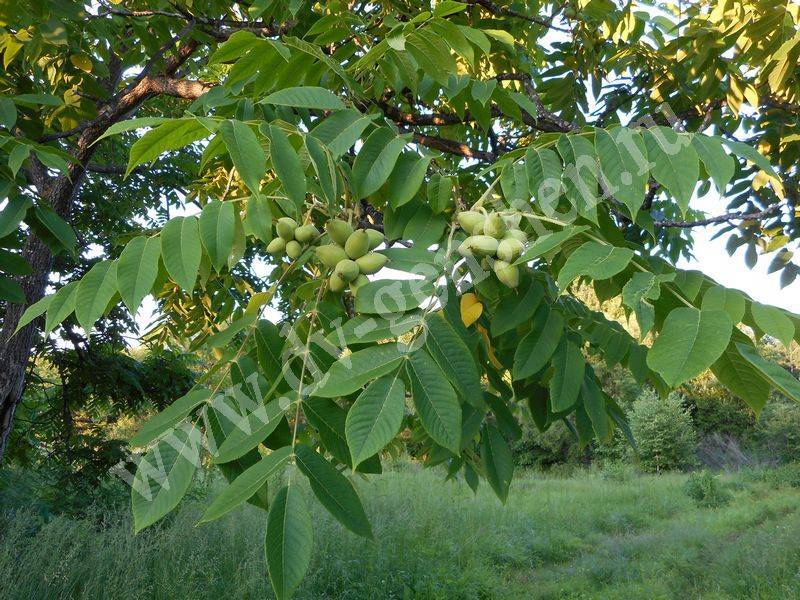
(257, 300)
(82, 62)
(490, 351)
(471, 308)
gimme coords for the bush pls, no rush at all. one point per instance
(663, 431)
(706, 490)
(543, 450)
(777, 433)
(783, 476)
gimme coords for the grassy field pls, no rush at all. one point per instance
(582, 537)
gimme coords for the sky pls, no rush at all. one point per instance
(712, 259)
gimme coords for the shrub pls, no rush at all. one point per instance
(777, 433)
(543, 450)
(706, 490)
(663, 431)
(783, 476)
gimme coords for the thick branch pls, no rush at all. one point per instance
(452, 147)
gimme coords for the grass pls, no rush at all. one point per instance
(582, 537)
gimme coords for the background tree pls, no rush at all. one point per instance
(490, 132)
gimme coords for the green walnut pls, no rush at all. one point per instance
(357, 283)
(506, 273)
(347, 270)
(471, 221)
(375, 238)
(336, 284)
(517, 234)
(357, 245)
(478, 245)
(338, 231)
(306, 233)
(495, 226)
(509, 249)
(294, 249)
(330, 255)
(372, 262)
(277, 246)
(285, 228)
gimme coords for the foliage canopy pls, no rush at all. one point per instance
(498, 154)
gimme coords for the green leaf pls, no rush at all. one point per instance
(719, 164)
(386, 296)
(375, 161)
(288, 167)
(95, 291)
(170, 417)
(12, 263)
(353, 371)
(341, 130)
(624, 172)
(581, 174)
(776, 375)
(258, 219)
(595, 405)
(164, 475)
(731, 301)
(690, 341)
(568, 368)
(288, 540)
(11, 291)
(305, 97)
(34, 310)
(181, 250)
(13, 213)
(674, 163)
(251, 429)
(325, 168)
(52, 229)
(245, 151)
(737, 374)
(375, 417)
(773, 321)
(516, 308)
(751, 154)
(536, 348)
(171, 135)
(123, 126)
(247, 484)
(362, 329)
(8, 113)
(62, 305)
(224, 337)
(497, 460)
(450, 352)
(594, 260)
(548, 243)
(217, 231)
(334, 491)
(137, 270)
(435, 401)
(406, 178)
(543, 169)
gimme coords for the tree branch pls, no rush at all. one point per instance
(508, 12)
(724, 218)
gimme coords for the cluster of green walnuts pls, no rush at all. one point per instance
(495, 238)
(349, 254)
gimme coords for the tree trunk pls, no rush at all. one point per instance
(15, 350)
